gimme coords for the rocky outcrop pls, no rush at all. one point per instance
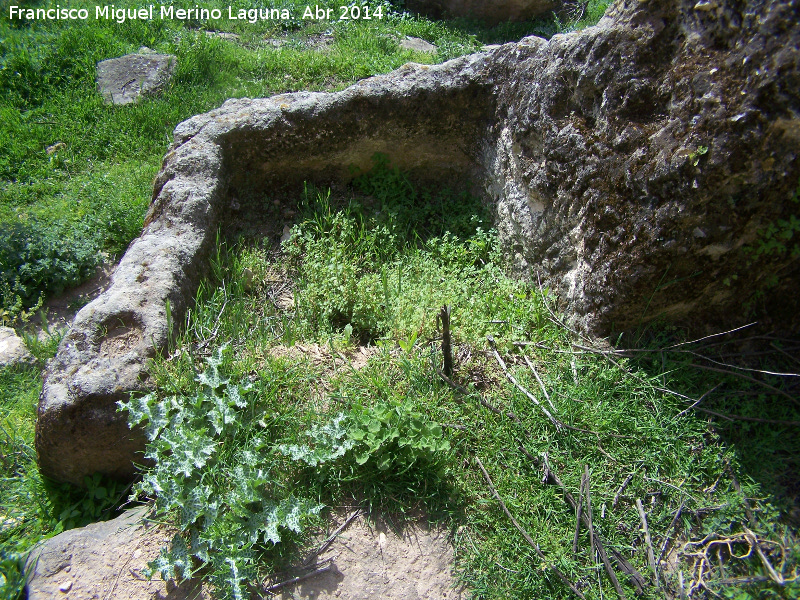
(104, 560)
(644, 168)
(125, 79)
(491, 11)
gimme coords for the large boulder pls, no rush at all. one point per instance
(491, 11)
(126, 79)
(644, 168)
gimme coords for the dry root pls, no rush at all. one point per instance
(708, 557)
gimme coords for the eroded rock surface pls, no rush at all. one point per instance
(125, 79)
(642, 168)
(105, 560)
(492, 11)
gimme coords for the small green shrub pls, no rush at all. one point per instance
(36, 260)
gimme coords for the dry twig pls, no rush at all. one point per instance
(650, 554)
(636, 578)
(330, 539)
(277, 586)
(579, 514)
(519, 386)
(621, 489)
(669, 530)
(539, 380)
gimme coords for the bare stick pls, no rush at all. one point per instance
(578, 515)
(510, 377)
(621, 489)
(713, 335)
(748, 378)
(525, 534)
(447, 350)
(539, 380)
(483, 402)
(782, 351)
(752, 419)
(587, 489)
(330, 539)
(636, 577)
(651, 558)
(275, 587)
(723, 364)
(669, 530)
(698, 401)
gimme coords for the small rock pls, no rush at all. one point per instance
(12, 348)
(65, 587)
(417, 45)
(55, 148)
(124, 80)
(223, 35)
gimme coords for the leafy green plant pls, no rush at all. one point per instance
(386, 437)
(96, 502)
(36, 260)
(216, 476)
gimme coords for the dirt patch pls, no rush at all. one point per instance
(323, 356)
(371, 559)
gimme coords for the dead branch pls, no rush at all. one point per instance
(636, 578)
(480, 398)
(650, 554)
(748, 378)
(730, 366)
(579, 514)
(667, 539)
(447, 350)
(324, 546)
(539, 380)
(525, 534)
(696, 402)
(587, 489)
(747, 509)
(511, 378)
(713, 335)
(782, 351)
(277, 586)
(621, 489)
(730, 417)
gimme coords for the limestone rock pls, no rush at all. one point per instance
(12, 349)
(417, 45)
(603, 152)
(491, 11)
(104, 560)
(124, 80)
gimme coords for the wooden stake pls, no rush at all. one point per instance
(447, 349)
